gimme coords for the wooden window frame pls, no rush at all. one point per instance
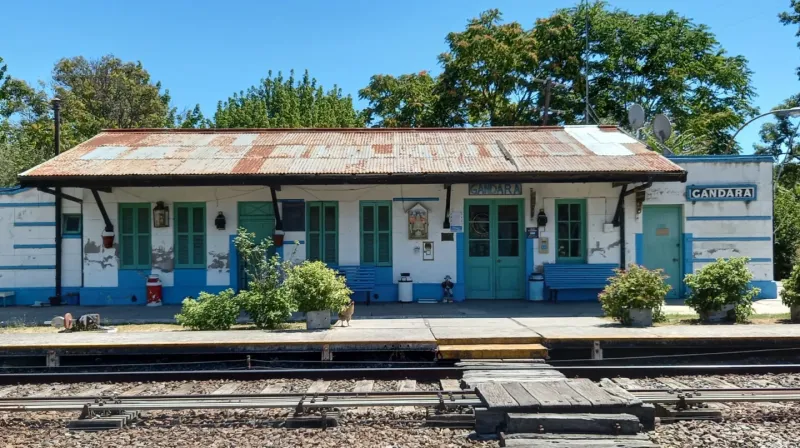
(376, 232)
(135, 235)
(190, 233)
(322, 205)
(583, 258)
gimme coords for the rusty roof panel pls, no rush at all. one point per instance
(572, 149)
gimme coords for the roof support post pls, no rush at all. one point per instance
(619, 221)
(275, 210)
(446, 224)
(109, 226)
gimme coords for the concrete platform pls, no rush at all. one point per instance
(504, 323)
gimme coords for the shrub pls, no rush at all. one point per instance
(209, 311)
(316, 287)
(266, 299)
(790, 296)
(721, 283)
(636, 287)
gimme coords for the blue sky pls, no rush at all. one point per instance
(203, 51)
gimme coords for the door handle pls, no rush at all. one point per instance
(499, 261)
(674, 259)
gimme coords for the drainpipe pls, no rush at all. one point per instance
(57, 144)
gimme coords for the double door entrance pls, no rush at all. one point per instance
(257, 218)
(495, 250)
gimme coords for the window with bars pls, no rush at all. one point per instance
(571, 231)
(190, 235)
(134, 236)
(376, 233)
(322, 232)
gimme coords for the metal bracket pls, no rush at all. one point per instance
(597, 351)
(60, 194)
(327, 355)
(446, 224)
(109, 226)
(275, 210)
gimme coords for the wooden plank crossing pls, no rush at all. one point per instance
(496, 396)
(521, 395)
(616, 390)
(593, 393)
(544, 393)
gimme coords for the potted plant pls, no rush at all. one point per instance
(317, 290)
(634, 296)
(721, 291)
(790, 296)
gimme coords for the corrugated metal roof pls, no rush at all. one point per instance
(287, 152)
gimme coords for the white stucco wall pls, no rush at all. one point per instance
(724, 173)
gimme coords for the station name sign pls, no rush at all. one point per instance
(495, 189)
(721, 193)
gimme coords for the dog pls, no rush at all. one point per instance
(347, 313)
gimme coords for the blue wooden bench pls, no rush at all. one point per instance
(576, 276)
(359, 279)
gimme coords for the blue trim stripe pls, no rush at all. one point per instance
(529, 254)
(26, 204)
(35, 224)
(292, 200)
(12, 190)
(34, 246)
(291, 243)
(733, 238)
(71, 236)
(415, 199)
(719, 159)
(25, 268)
(752, 260)
(729, 218)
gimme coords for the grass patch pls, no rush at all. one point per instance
(138, 328)
(694, 319)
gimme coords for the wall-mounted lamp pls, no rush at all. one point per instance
(160, 215)
(541, 218)
(219, 221)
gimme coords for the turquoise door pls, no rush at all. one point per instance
(257, 218)
(662, 243)
(495, 263)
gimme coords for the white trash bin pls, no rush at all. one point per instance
(405, 288)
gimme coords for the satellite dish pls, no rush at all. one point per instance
(636, 116)
(662, 128)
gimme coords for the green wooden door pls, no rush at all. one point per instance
(495, 263)
(255, 217)
(662, 243)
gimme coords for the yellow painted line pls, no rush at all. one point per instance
(490, 340)
(493, 351)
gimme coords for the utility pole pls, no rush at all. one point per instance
(586, 60)
(548, 85)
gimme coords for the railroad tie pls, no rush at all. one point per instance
(275, 388)
(226, 389)
(406, 386)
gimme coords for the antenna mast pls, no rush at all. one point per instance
(586, 59)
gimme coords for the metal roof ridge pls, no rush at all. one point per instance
(365, 130)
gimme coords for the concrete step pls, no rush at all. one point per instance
(492, 351)
(613, 424)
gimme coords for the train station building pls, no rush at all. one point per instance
(485, 207)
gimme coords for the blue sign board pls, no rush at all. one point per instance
(739, 192)
(456, 229)
(500, 189)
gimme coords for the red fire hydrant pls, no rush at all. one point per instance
(154, 291)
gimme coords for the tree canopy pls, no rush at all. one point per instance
(287, 103)
(494, 74)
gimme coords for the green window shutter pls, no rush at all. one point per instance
(322, 231)
(571, 231)
(190, 234)
(376, 233)
(134, 236)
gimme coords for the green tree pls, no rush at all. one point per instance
(779, 139)
(192, 119)
(107, 93)
(792, 17)
(406, 101)
(787, 230)
(287, 103)
(665, 62)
